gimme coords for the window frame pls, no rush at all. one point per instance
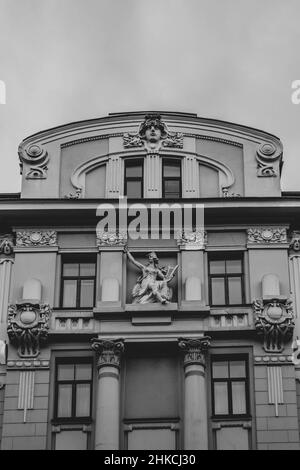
(78, 278)
(170, 161)
(73, 419)
(231, 255)
(230, 416)
(133, 162)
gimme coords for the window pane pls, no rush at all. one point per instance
(65, 372)
(172, 186)
(220, 370)
(237, 368)
(217, 266)
(218, 291)
(233, 266)
(221, 398)
(172, 170)
(64, 408)
(83, 371)
(134, 189)
(235, 290)
(71, 269)
(238, 398)
(134, 171)
(87, 269)
(69, 297)
(87, 293)
(83, 400)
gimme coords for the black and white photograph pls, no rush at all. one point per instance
(149, 228)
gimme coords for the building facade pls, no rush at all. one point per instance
(150, 289)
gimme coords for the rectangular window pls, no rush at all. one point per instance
(230, 387)
(226, 279)
(171, 183)
(133, 187)
(73, 390)
(78, 283)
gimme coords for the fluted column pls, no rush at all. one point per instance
(195, 402)
(108, 393)
(5, 275)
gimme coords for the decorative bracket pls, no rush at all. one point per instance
(266, 156)
(28, 326)
(275, 322)
(37, 157)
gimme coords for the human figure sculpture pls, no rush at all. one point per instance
(152, 285)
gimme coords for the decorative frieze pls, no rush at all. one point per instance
(267, 154)
(194, 349)
(28, 363)
(274, 321)
(268, 235)
(111, 238)
(28, 326)
(191, 240)
(108, 352)
(31, 238)
(37, 157)
(152, 135)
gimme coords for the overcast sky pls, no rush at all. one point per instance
(68, 60)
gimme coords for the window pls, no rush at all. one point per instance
(226, 279)
(73, 390)
(171, 179)
(78, 283)
(230, 387)
(134, 179)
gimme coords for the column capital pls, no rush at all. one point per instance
(192, 240)
(194, 349)
(108, 351)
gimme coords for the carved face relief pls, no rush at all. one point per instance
(153, 134)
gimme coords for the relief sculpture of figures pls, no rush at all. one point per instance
(152, 284)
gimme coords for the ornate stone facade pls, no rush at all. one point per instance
(275, 322)
(195, 239)
(28, 326)
(36, 238)
(194, 349)
(108, 351)
(153, 134)
(267, 235)
(111, 238)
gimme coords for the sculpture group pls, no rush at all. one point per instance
(152, 284)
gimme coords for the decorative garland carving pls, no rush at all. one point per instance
(111, 238)
(76, 195)
(153, 134)
(197, 238)
(266, 155)
(275, 322)
(37, 157)
(28, 326)
(108, 351)
(267, 235)
(194, 349)
(36, 238)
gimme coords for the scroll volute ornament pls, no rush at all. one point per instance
(37, 158)
(266, 155)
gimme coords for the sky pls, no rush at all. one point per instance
(68, 60)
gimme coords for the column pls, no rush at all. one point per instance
(108, 393)
(195, 403)
(5, 275)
